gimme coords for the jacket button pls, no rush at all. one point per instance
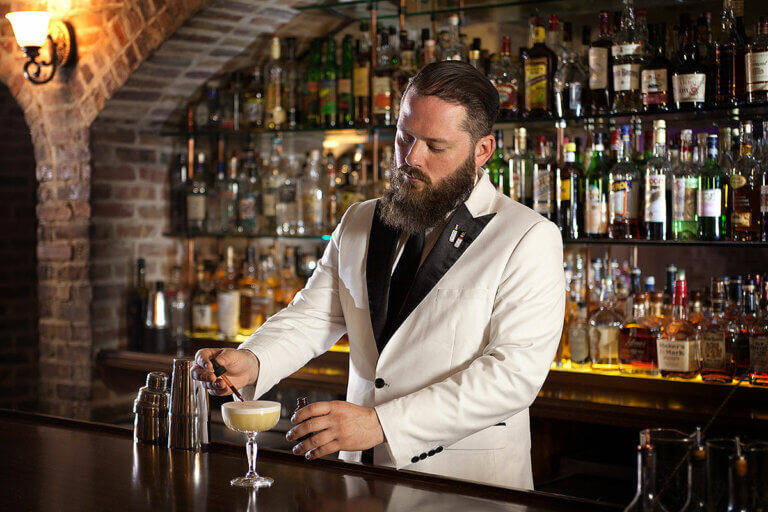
(379, 383)
(438, 449)
(431, 453)
(423, 456)
(414, 460)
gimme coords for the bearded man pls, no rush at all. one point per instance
(452, 296)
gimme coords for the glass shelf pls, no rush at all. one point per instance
(208, 234)
(667, 243)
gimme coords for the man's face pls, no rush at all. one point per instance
(434, 168)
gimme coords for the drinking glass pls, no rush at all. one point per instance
(719, 454)
(251, 417)
(757, 464)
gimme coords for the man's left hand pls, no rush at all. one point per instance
(334, 426)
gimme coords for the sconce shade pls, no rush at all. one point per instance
(30, 27)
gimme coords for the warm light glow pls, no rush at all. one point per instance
(30, 27)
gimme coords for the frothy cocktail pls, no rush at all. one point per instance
(251, 415)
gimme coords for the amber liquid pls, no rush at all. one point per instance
(637, 349)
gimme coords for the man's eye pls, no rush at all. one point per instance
(436, 150)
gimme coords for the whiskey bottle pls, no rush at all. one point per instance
(360, 77)
(690, 77)
(273, 73)
(758, 350)
(628, 54)
(604, 327)
(228, 297)
(637, 339)
(678, 345)
(507, 77)
(623, 192)
(292, 85)
(757, 65)
(716, 356)
(685, 185)
(248, 286)
(544, 181)
(746, 183)
(729, 72)
(739, 329)
(578, 338)
(204, 310)
(656, 75)
(345, 96)
(600, 69)
(713, 189)
(571, 191)
(382, 84)
(655, 178)
(538, 71)
(596, 191)
(197, 198)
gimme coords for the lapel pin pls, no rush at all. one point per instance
(458, 241)
(453, 233)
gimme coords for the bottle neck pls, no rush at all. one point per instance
(604, 29)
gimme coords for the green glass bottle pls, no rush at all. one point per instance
(345, 98)
(713, 183)
(312, 86)
(329, 106)
(596, 191)
(498, 166)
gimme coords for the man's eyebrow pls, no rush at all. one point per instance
(428, 139)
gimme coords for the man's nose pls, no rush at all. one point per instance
(416, 154)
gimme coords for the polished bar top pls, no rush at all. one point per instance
(59, 464)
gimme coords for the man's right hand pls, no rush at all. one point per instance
(242, 369)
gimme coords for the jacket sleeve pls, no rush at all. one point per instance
(310, 325)
(524, 332)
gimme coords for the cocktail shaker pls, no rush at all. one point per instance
(189, 408)
(151, 410)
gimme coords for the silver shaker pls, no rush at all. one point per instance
(151, 410)
(189, 408)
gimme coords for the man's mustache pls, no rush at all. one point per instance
(414, 172)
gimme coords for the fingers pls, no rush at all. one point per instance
(308, 427)
(313, 443)
(312, 410)
(322, 451)
(203, 370)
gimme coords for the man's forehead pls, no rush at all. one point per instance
(430, 116)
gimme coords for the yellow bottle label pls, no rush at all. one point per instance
(536, 84)
(360, 82)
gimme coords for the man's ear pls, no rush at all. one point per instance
(484, 149)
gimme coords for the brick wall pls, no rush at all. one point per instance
(18, 265)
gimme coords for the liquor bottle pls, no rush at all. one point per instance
(678, 344)
(402, 75)
(746, 183)
(138, 300)
(312, 85)
(716, 356)
(498, 167)
(178, 194)
(690, 77)
(289, 284)
(454, 49)
(264, 302)
(248, 195)
(253, 106)
(637, 340)
(429, 50)
(248, 286)
(360, 77)
(201, 108)
(604, 326)
(273, 72)
(696, 308)
(521, 169)
(729, 72)
(578, 338)
(596, 191)
(344, 97)
(312, 195)
(739, 329)
(382, 84)
(197, 198)
(685, 183)
(570, 86)
(757, 65)
(624, 192)
(713, 189)
(655, 176)
(204, 304)
(758, 350)
(600, 69)
(270, 182)
(704, 39)
(635, 287)
(571, 192)
(656, 75)
(507, 77)
(735, 302)
(156, 325)
(228, 297)
(227, 191)
(291, 85)
(230, 98)
(544, 181)
(213, 208)
(287, 213)
(329, 106)
(628, 53)
(538, 71)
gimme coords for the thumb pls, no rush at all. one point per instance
(204, 355)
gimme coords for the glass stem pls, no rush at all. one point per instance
(251, 450)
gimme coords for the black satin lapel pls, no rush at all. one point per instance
(382, 243)
(442, 257)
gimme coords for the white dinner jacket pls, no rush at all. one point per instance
(473, 344)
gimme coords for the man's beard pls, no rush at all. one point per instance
(405, 208)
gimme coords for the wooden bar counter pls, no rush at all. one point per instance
(66, 465)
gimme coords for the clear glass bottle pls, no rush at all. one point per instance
(248, 195)
(745, 190)
(197, 200)
(507, 77)
(228, 297)
(570, 86)
(604, 327)
(600, 69)
(716, 357)
(596, 191)
(312, 194)
(655, 178)
(454, 48)
(273, 72)
(270, 181)
(229, 189)
(287, 213)
(685, 185)
(637, 339)
(215, 188)
(544, 181)
(578, 338)
(624, 192)
(628, 53)
(678, 345)
(713, 189)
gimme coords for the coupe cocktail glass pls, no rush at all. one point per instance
(251, 417)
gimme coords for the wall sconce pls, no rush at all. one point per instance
(32, 29)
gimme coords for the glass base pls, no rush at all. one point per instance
(253, 482)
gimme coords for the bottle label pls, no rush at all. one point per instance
(327, 97)
(577, 338)
(268, 203)
(507, 95)
(710, 202)
(202, 316)
(515, 190)
(382, 94)
(713, 350)
(360, 82)
(344, 89)
(604, 343)
(253, 110)
(596, 215)
(312, 208)
(690, 88)
(195, 207)
(624, 199)
(655, 201)
(741, 219)
(626, 77)
(758, 353)
(565, 190)
(536, 84)
(677, 355)
(738, 181)
(757, 71)
(684, 193)
(653, 84)
(287, 194)
(764, 199)
(626, 49)
(542, 192)
(247, 209)
(229, 311)
(598, 68)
